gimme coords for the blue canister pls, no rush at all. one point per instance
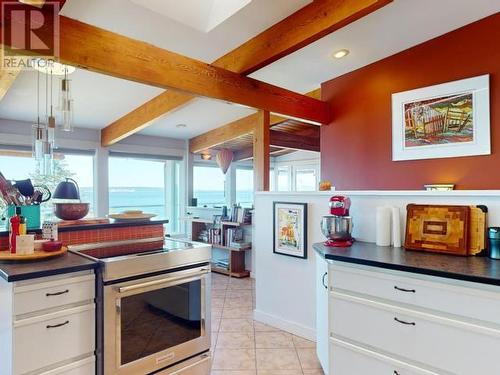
(494, 242)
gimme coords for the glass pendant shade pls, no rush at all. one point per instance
(51, 131)
(38, 141)
(66, 106)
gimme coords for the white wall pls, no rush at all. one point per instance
(285, 286)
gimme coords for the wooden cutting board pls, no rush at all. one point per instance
(5, 255)
(90, 221)
(438, 228)
(477, 230)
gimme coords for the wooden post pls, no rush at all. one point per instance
(261, 150)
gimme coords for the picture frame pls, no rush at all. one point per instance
(442, 121)
(290, 229)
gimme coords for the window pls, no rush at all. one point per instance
(147, 184)
(17, 163)
(244, 187)
(208, 186)
(283, 178)
(305, 179)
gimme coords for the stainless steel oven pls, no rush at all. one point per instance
(155, 322)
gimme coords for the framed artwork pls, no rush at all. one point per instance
(290, 229)
(442, 121)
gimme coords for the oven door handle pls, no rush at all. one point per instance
(148, 284)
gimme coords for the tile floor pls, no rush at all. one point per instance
(242, 346)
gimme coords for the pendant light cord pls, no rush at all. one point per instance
(38, 98)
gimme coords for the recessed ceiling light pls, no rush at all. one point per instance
(206, 156)
(181, 126)
(341, 53)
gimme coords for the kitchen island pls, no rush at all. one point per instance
(388, 310)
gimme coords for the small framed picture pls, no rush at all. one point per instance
(290, 229)
(442, 121)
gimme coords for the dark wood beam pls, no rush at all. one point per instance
(261, 148)
(294, 141)
(303, 27)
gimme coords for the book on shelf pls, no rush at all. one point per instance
(241, 215)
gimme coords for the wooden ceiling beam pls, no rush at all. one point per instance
(89, 47)
(261, 149)
(294, 141)
(305, 26)
(213, 138)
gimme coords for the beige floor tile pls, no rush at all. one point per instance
(261, 327)
(245, 283)
(236, 340)
(237, 312)
(213, 338)
(300, 342)
(234, 359)
(313, 372)
(277, 359)
(218, 302)
(239, 293)
(279, 372)
(238, 302)
(236, 325)
(273, 340)
(219, 293)
(217, 312)
(308, 359)
(219, 286)
(230, 372)
(216, 324)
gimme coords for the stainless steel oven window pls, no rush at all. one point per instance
(159, 321)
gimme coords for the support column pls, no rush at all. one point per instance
(261, 150)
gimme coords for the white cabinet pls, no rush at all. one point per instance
(322, 332)
(390, 322)
(47, 325)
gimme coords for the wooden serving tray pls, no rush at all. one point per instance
(438, 228)
(38, 255)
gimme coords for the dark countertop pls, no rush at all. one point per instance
(112, 224)
(17, 271)
(475, 269)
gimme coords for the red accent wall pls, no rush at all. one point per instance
(356, 149)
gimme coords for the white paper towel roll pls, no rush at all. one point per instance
(383, 226)
(396, 227)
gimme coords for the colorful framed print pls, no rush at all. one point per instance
(290, 229)
(442, 121)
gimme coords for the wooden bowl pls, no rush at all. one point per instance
(71, 211)
(52, 246)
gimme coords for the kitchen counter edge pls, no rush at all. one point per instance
(475, 269)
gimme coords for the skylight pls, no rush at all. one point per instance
(202, 15)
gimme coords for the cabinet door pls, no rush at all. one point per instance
(322, 311)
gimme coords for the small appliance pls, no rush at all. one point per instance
(337, 227)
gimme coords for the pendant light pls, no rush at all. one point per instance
(51, 120)
(48, 155)
(66, 103)
(38, 128)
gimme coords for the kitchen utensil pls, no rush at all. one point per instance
(438, 228)
(337, 227)
(68, 189)
(494, 242)
(50, 230)
(25, 187)
(42, 194)
(71, 211)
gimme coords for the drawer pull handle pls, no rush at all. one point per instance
(406, 323)
(58, 325)
(405, 290)
(57, 294)
(396, 373)
(323, 280)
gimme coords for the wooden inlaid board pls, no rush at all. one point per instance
(438, 228)
(477, 229)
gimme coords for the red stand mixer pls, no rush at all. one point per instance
(337, 227)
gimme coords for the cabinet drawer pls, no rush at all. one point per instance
(426, 292)
(83, 367)
(349, 359)
(53, 293)
(52, 338)
(429, 341)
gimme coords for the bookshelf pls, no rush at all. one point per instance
(235, 255)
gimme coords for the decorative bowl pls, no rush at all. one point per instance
(71, 211)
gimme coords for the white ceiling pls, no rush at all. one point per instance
(99, 100)
(202, 15)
